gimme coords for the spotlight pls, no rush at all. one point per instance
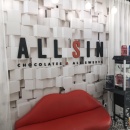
(55, 1)
(114, 10)
(88, 6)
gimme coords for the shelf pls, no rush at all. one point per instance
(120, 59)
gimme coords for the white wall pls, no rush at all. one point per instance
(69, 21)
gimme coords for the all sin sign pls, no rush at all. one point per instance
(23, 50)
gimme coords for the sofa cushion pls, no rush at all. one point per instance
(96, 119)
(56, 106)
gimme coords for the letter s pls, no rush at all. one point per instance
(76, 54)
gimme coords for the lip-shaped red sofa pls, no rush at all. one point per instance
(76, 110)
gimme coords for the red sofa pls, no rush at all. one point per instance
(76, 110)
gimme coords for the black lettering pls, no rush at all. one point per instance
(18, 65)
(40, 49)
(23, 48)
(56, 50)
(99, 49)
(88, 48)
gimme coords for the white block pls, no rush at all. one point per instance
(55, 13)
(57, 32)
(7, 5)
(94, 39)
(17, 5)
(59, 81)
(30, 84)
(70, 15)
(11, 64)
(27, 94)
(80, 69)
(41, 31)
(66, 4)
(87, 33)
(96, 69)
(48, 91)
(92, 52)
(61, 42)
(14, 86)
(96, 76)
(31, 41)
(76, 5)
(66, 32)
(102, 37)
(91, 89)
(34, 52)
(40, 84)
(88, 23)
(29, 19)
(99, 86)
(14, 41)
(10, 28)
(14, 113)
(76, 34)
(68, 71)
(67, 52)
(26, 30)
(23, 108)
(33, 102)
(30, 7)
(67, 82)
(90, 78)
(62, 15)
(75, 23)
(48, 3)
(53, 72)
(16, 74)
(41, 73)
(21, 101)
(41, 15)
(29, 73)
(95, 18)
(101, 19)
(79, 86)
(95, 27)
(14, 96)
(103, 71)
(98, 7)
(38, 93)
(101, 27)
(12, 53)
(14, 16)
(83, 14)
(47, 52)
(52, 22)
(83, 52)
(78, 78)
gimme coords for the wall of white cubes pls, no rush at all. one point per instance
(66, 22)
